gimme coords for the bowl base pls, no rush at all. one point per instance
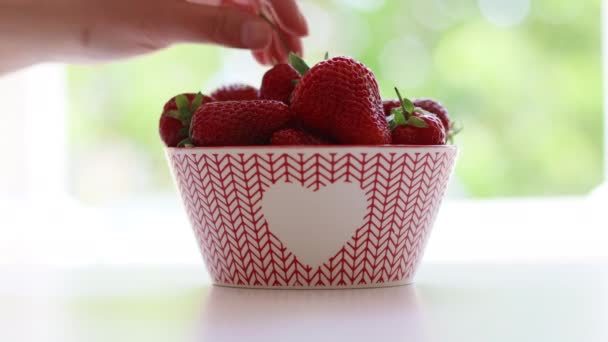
(336, 287)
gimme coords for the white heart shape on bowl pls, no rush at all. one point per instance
(314, 225)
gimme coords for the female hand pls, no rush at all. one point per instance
(33, 31)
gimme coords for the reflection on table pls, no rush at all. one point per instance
(448, 303)
(322, 315)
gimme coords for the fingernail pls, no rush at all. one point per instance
(256, 34)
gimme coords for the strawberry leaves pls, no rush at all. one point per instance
(417, 122)
(455, 128)
(185, 109)
(196, 102)
(184, 112)
(174, 114)
(407, 105)
(182, 103)
(398, 119)
(298, 63)
(405, 115)
(186, 143)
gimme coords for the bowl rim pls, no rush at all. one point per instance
(449, 147)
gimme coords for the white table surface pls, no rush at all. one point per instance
(556, 303)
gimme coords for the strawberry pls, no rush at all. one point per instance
(428, 105)
(175, 120)
(432, 107)
(389, 105)
(294, 136)
(236, 92)
(414, 126)
(432, 134)
(278, 83)
(435, 108)
(172, 131)
(234, 123)
(339, 98)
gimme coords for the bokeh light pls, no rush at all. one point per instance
(363, 5)
(430, 14)
(504, 12)
(407, 61)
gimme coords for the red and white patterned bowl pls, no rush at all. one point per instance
(312, 217)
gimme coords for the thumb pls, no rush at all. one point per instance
(220, 25)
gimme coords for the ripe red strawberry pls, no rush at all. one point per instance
(432, 107)
(236, 92)
(339, 98)
(172, 131)
(436, 108)
(429, 105)
(294, 136)
(278, 83)
(238, 123)
(413, 126)
(389, 105)
(432, 134)
(175, 119)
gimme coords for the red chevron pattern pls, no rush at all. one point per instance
(222, 190)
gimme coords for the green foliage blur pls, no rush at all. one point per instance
(528, 94)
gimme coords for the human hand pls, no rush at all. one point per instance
(96, 30)
(288, 23)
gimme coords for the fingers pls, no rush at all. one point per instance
(252, 6)
(237, 26)
(224, 26)
(289, 17)
(296, 45)
(278, 51)
(261, 57)
(280, 48)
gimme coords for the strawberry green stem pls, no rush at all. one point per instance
(406, 113)
(406, 116)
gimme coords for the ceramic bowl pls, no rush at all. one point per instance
(312, 217)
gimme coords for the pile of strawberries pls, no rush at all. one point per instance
(337, 101)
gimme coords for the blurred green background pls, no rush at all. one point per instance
(524, 78)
